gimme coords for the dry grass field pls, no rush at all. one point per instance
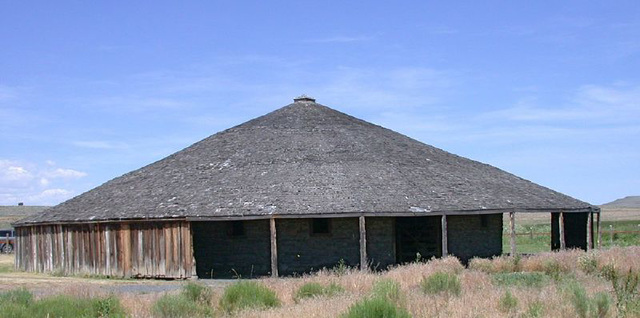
(551, 294)
(562, 284)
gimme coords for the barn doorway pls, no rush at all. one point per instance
(418, 236)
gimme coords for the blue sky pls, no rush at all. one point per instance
(547, 90)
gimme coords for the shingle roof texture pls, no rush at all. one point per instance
(306, 159)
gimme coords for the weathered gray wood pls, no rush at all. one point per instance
(140, 266)
(563, 244)
(512, 237)
(274, 248)
(363, 243)
(126, 250)
(445, 247)
(589, 229)
(599, 229)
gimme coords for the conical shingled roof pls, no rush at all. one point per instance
(306, 159)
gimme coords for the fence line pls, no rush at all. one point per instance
(607, 232)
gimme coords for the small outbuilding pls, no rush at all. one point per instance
(298, 189)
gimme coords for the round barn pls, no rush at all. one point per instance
(301, 188)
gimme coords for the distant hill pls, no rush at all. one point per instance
(21, 210)
(12, 213)
(627, 202)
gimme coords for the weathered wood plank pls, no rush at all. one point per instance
(363, 243)
(589, 229)
(599, 229)
(512, 237)
(274, 248)
(445, 245)
(563, 244)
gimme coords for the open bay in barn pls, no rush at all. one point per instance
(620, 227)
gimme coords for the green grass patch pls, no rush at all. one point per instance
(20, 303)
(245, 294)
(521, 279)
(6, 268)
(376, 307)
(194, 300)
(310, 290)
(536, 238)
(626, 288)
(508, 303)
(620, 239)
(178, 306)
(441, 283)
(532, 238)
(387, 289)
(534, 310)
(585, 306)
(385, 301)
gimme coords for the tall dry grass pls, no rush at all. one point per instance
(480, 296)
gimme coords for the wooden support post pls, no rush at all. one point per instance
(445, 247)
(125, 234)
(599, 229)
(589, 229)
(563, 244)
(363, 244)
(611, 234)
(274, 248)
(512, 237)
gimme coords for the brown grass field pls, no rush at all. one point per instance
(480, 295)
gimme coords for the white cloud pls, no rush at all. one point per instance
(14, 173)
(65, 173)
(35, 184)
(50, 197)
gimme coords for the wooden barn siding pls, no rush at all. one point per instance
(150, 249)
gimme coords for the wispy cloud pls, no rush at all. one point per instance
(65, 173)
(615, 103)
(49, 196)
(100, 144)
(136, 104)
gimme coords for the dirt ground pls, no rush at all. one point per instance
(43, 285)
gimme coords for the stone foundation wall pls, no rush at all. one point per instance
(300, 251)
(470, 236)
(381, 242)
(247, 255)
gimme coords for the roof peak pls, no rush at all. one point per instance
(304, 98)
